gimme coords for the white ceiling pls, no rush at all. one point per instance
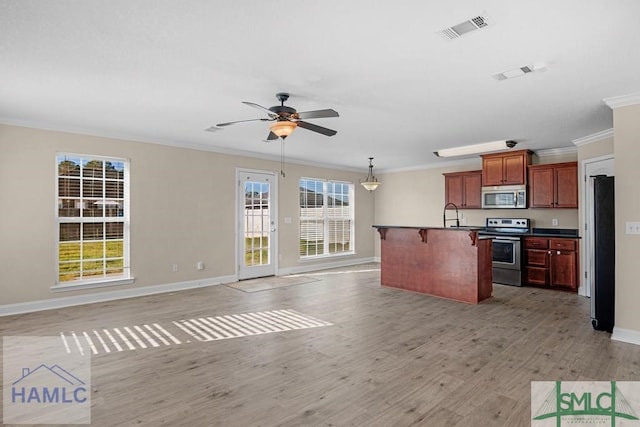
(163, 71)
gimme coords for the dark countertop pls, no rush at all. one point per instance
(418, 227)
(555, 232)
(571, 233)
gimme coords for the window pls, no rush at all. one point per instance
(92, 216)
(326, 217)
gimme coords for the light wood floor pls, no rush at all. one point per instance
(389, 358)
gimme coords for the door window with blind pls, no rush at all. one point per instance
(326, 218)
(92, 217)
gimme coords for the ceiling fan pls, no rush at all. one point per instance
(286, 119)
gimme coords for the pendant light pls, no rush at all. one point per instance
(371, 182)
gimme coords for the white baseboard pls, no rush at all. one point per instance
(324, 266)
(626, 335)
(55, 303)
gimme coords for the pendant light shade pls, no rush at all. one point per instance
(371, 183)
(283, 128)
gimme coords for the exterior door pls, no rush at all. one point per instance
(256, 224)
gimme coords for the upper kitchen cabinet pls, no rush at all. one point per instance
(463, 189)
(506, 168)
(554, 185)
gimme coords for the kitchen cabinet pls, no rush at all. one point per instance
(506, 168)
(551, 262)
(463, 189)
(553, 185)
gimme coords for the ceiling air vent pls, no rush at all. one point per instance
(464, 27)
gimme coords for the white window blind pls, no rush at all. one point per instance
(93, 218)
(326, 217)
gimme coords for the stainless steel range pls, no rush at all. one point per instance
(507, 248)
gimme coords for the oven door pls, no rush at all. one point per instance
(506, 252)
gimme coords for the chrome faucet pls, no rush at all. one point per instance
(444, 215)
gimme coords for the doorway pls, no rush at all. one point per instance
(257, 233)
(591, 167)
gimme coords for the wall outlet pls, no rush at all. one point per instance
(174, 267)
(287, 220)
(554, 221)
(200, 265)
(632, 227)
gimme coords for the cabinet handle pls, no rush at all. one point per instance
(549, 252)
(558, 253)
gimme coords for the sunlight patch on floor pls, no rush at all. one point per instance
(199, 329)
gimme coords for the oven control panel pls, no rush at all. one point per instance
(508, 222)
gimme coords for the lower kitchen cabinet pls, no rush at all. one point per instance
(551, 262)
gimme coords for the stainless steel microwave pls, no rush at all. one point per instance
(504, 197)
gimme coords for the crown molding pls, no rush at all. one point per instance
(556, 151)
(594, 137)
(623, 100)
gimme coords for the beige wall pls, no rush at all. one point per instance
(626, 125)
(182, 211)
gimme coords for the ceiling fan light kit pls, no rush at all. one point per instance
(484, 147)
(371, 183)
(283, 128)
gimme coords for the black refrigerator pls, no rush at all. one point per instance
(603, 283)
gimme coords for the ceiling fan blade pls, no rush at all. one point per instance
(316, 128)
(242, 121)
(316, 114)
(272, 136)
(260, 107)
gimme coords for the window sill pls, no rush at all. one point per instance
(90, 285)
(318, 257)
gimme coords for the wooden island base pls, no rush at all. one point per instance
(443, 262)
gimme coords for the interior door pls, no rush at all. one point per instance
(256, 224)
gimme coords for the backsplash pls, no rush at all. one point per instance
(540, 218)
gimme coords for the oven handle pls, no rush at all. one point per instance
(506, 239)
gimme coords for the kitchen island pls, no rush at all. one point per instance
(453, 263)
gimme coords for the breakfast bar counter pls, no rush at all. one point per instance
(450, 263)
